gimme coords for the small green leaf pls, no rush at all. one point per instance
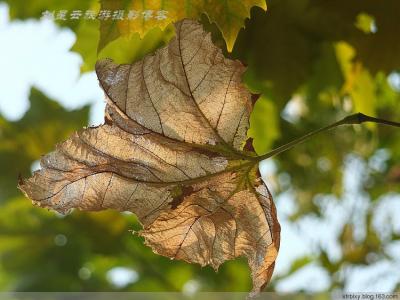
(264, 125)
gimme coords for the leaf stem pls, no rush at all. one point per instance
(357, 118)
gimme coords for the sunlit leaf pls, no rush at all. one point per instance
(171, 152)
(359, 83)
(145, 15)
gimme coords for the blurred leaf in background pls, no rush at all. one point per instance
(24, 141)
(312, 61)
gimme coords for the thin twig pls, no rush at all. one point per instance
(358, 118)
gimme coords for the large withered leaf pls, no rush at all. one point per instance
(171, 152)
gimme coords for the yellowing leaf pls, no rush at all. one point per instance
(145, 15)
(359, 83)
(171, 152)
(365, 23)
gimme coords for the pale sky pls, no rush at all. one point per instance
(35, 53)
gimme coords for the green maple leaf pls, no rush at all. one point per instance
(228, 15)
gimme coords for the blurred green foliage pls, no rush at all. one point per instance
(24, 141)
(312, 61)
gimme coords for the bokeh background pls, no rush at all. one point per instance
(312, 61)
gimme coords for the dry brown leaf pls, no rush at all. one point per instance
(171, 152)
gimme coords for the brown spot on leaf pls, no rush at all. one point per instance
(185, 191)
(254, 98)
(249, 145)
